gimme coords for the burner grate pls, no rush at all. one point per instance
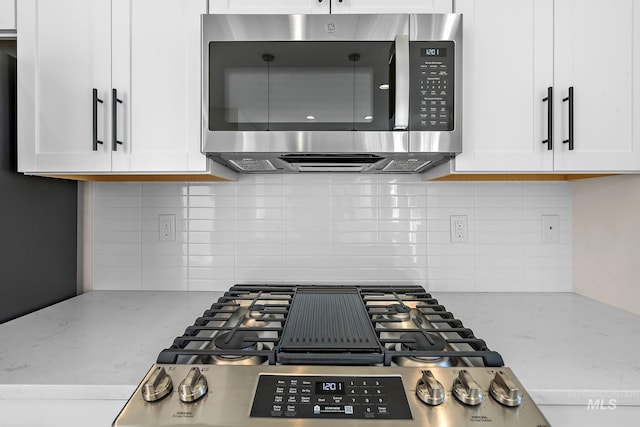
(429, 318)
(340, 325)
(198, 342)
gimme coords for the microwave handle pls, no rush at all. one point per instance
(402, 83)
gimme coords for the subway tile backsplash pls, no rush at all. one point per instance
(331, 228)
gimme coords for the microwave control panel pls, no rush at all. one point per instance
(432, 85)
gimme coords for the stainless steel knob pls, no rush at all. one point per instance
(193, 387)
(429, 390)
(466, 389)
(505, 391)
(157, 386)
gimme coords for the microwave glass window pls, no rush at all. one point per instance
(294, 95)
(300, 86)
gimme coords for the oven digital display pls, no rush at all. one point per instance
(329, 387)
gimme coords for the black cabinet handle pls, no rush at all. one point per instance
(549, 99)
(114, 122)
(570, 99)
(95, 119)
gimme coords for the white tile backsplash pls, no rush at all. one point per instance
(331, 227)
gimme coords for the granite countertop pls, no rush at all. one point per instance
(565, 348)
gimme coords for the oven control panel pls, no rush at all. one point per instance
(324, 396)
(378, 397)
(432, 70)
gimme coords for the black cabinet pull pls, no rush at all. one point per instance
(95, 119)
(114, 122)
(549, 99)
(570, 99)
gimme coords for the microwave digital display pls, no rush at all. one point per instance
(438, 52)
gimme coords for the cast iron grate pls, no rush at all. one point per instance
(341, 324)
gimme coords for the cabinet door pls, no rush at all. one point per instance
(156, 70)
(508, 66)
(394, 6)
(7, 14)
(595, 53)
(63, 54)
(269, 7)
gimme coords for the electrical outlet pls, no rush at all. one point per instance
(459, 229)
(550, 228)
(167, 228)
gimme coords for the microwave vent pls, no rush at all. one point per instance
(408, 165)
(253, 165)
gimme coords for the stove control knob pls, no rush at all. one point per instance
(466, 389)
(193, 387)
(429, 390)
(157, 386)
(505, 391)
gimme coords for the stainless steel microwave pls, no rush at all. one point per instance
(316, 93)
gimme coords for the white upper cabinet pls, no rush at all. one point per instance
(156, 70)
(270, 6)
(329, 6)
(515, 50)
(63, 54)
(7, 15)
(387, 6)
(508, 66)
(596, 54)
(147, 52)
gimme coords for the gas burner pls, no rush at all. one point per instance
(256, 311)
(423, 342)
(398, 312)
(238, 340)
(237, 360)
(256, 317)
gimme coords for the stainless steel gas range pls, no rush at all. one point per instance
(314, 356)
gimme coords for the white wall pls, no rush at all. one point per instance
(331, 227)
(607, 240)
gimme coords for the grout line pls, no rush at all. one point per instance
(140, 237)
(188, 239)
(378, 240)
(235, 231)
(282, 231)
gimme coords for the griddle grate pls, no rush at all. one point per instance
(328, 320)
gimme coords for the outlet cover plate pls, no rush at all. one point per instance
(166, 228)
(459, 229)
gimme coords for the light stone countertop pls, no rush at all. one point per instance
(565, 348)
(97, 345)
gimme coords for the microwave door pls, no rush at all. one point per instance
(305, 86)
